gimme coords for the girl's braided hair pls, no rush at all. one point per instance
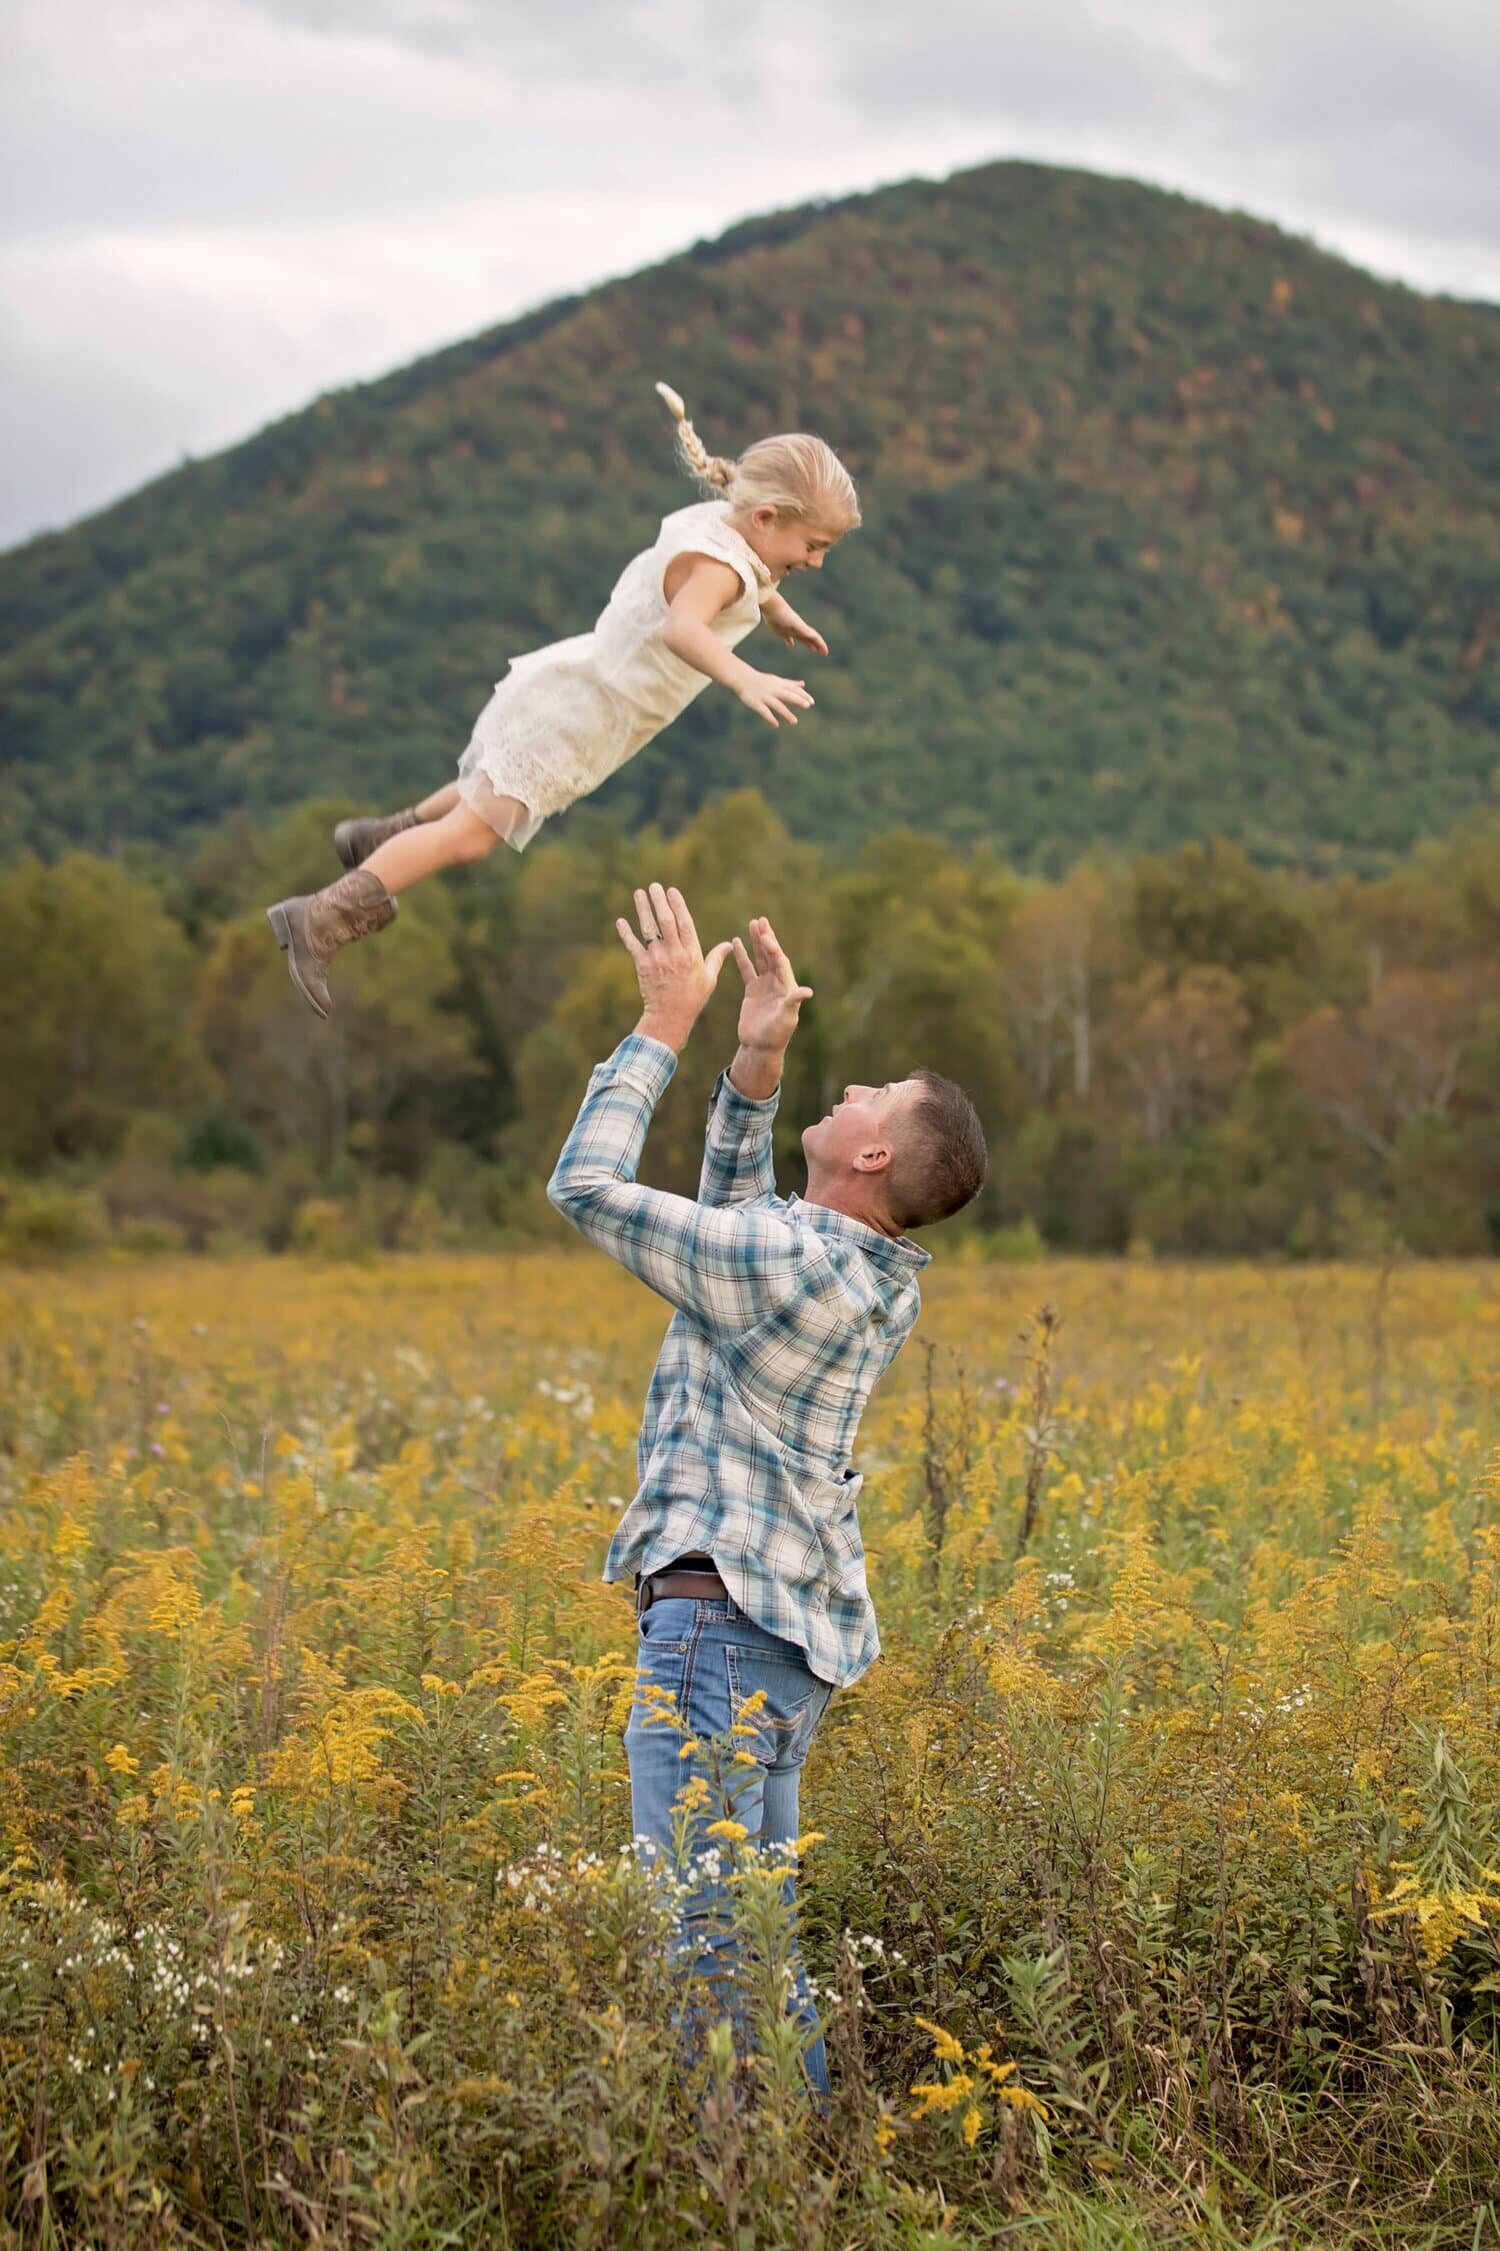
(797, 475)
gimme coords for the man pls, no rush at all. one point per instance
(743, 1537)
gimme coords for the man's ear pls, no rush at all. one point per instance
(874, 1157)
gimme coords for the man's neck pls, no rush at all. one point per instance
(845, 1196)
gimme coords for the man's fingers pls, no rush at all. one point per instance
(687, 929)
(629, 940)
(661, 907)
(746, 965)
(644, 915)
(773, 954)
(714, 960)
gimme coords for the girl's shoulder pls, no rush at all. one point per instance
(699, 516)
(704, 526)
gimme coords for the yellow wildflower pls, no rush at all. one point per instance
(944, 2046)
(941, 2094)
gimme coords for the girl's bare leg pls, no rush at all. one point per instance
(441, 801)
(454, 837)
(358, 839)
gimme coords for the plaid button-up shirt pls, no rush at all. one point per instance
(787, 1315)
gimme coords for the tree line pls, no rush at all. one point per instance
(1181, 1051)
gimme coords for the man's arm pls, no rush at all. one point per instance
(737, 1162)
(728, 1268)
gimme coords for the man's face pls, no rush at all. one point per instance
(860, 1132)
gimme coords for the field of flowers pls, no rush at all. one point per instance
(1154, 1894)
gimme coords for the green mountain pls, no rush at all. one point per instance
(1173, 524)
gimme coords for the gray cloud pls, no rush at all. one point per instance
(201, 113)
(1390, 114)
(671, 42)
(1385, 112)
(212, 209)
(1075, 66)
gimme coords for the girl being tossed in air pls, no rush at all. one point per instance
(566, 716)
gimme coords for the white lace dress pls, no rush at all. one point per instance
(565, 717)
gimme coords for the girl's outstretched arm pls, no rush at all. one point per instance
(777, 612)
(708, 588)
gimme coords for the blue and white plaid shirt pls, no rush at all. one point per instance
(787, 1316)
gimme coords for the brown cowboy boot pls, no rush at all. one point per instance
(355, 840)
(311, 930)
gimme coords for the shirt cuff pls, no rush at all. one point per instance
(645, 1064)
(728, 1093)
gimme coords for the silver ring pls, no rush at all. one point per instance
(654, 939)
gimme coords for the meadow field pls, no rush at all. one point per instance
(1152, 1878)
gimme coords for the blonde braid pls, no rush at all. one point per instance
(796, 474)
(709, 468)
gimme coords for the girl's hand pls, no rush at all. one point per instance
(774, 698)
(796, 632)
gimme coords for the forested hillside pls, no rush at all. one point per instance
(1174, 526)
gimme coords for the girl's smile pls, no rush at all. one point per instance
(785, 544)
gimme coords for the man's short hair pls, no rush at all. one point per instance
(940, 1159)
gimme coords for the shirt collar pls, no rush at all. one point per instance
(898, 1253)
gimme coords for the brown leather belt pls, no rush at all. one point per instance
(696, 1585)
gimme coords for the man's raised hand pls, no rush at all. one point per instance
(773, 998)
(675, 976)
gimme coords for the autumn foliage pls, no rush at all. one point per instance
(1180, 1052)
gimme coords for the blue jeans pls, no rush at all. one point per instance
(711, 1658)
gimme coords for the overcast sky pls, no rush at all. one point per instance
(212, 210)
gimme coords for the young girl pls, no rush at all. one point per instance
(566, 716)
